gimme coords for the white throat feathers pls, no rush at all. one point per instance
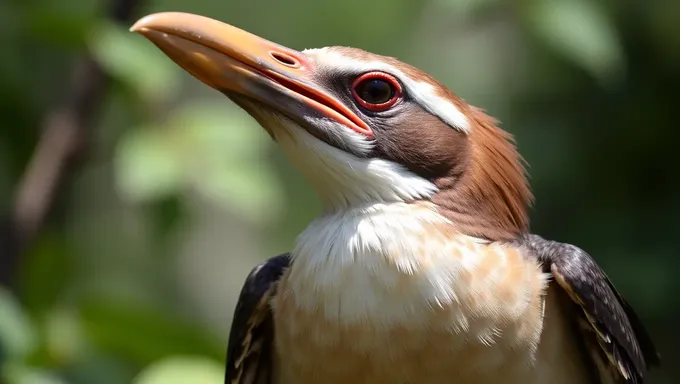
(343, 181)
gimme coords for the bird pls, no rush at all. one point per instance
(421, 267)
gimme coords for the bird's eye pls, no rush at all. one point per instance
(376, 91)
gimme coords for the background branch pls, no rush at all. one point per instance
(60, 151)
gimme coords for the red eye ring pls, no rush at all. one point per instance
(391, 80)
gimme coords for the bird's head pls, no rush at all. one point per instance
(363, 128)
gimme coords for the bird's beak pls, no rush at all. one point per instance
(234, 61)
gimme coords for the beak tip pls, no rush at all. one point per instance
(143, 24)
(144, 31)
(160, 21)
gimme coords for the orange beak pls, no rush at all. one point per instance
(234, 61)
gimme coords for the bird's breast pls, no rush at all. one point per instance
(397, 291)
(404, 264)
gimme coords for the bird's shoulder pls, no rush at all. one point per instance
(619, 344)
(251, 336)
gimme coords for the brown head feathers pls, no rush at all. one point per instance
(491, 197)
(481, 177)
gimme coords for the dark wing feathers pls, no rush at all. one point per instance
(252, 334)
(623, 342)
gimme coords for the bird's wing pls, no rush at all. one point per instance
(252, 330)
(621, 348)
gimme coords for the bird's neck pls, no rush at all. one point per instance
(354, 261)
(488, 199)
(373, 228)
(491, 197)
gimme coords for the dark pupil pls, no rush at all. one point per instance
(375, 91)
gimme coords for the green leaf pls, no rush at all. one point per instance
(147, 166)
(17, 335)
(212, 148)
(96, 367)
(465, 10)
(135, 61)
(58, 27)
(222, 130)
(143, 333)
(182, 370)
(64, 337)
(22, 374)
(46, 273)
(228, 152)
(250, 190)
(581, 31)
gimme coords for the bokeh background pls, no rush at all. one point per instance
(135, 200)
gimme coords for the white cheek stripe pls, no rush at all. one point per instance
(343, 180)
(423, 93)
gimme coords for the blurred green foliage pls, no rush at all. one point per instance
(136, 277)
